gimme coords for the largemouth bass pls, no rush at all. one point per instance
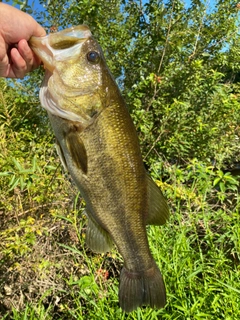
(98, 144)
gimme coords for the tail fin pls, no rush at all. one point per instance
(145, 288)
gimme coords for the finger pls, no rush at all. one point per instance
(4, 61)
(4, 66)
(18, 65)
(23, 60)
(32, 61)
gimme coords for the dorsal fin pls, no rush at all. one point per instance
(158, 209)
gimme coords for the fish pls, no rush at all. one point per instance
(98, 144)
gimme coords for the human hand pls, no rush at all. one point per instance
(16, 28)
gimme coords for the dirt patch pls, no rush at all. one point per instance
(57, 255)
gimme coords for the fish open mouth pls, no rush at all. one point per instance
(59, 45)
(53, 48)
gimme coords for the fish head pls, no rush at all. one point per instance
(77, 81)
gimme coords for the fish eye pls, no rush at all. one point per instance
(93, 57)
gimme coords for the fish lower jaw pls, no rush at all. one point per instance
(49, 104)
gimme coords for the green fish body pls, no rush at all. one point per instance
(98, 144)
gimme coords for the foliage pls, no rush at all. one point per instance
(197, 251)
(178, 68)
(28, 175)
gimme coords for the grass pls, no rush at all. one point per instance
(47, 272)
(197, 252)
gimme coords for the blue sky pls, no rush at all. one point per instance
(36, 6)
(39, 7)
(34, 3)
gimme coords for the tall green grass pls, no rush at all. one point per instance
(197, 252)
(47, 272)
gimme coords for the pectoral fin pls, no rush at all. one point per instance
(77, 150)
(158, 208)
(61, 155)
(97, 239)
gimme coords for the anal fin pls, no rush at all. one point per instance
(97, 239)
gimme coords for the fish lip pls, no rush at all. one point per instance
(80, 31)
(46, 47)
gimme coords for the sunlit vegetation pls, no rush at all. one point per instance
(178, 68)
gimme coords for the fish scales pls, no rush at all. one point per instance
(116, 179)
(98, 144)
